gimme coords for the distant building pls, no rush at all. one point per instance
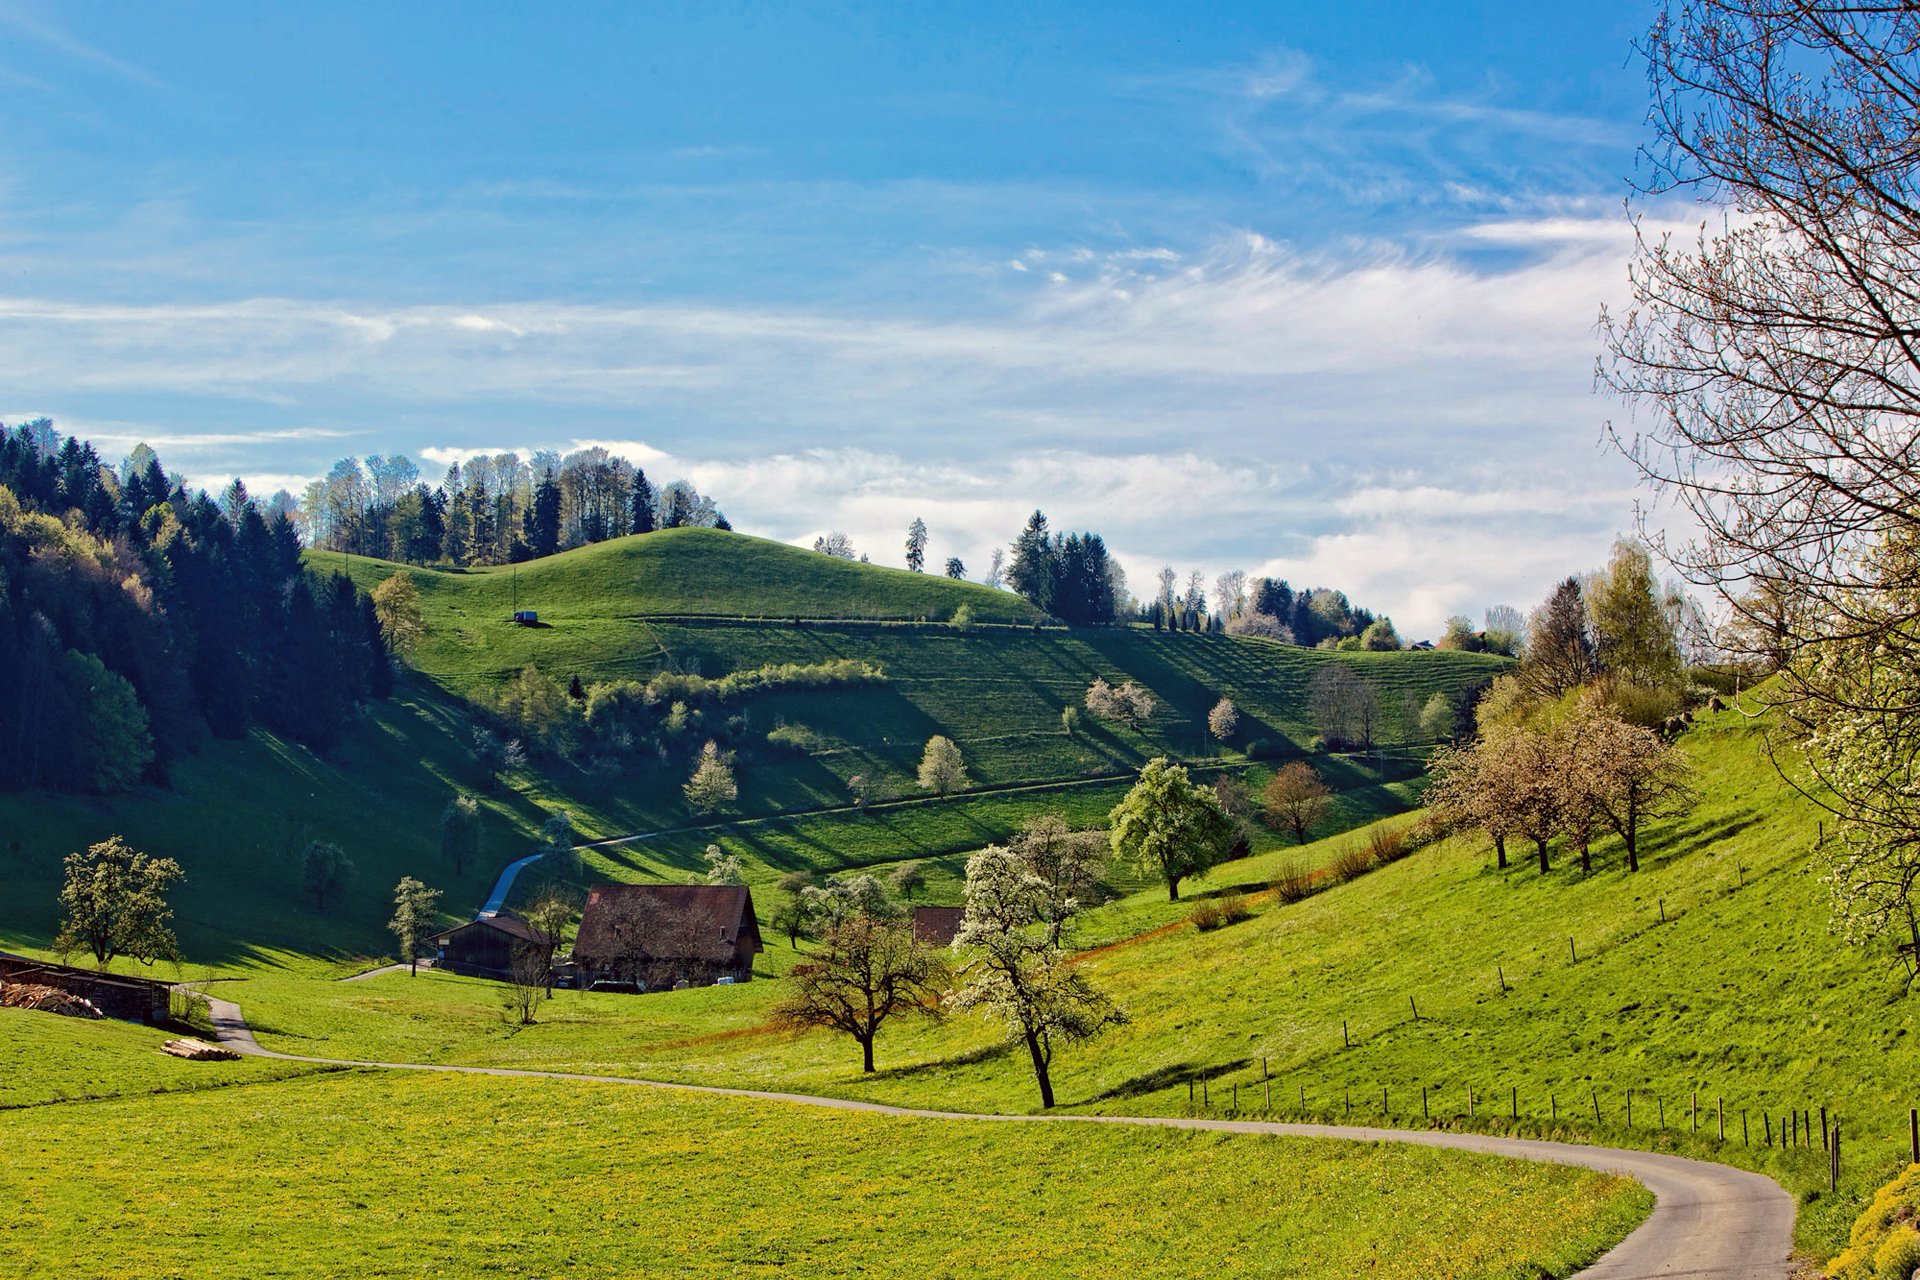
(659, 936)
(936, 926)
(526, 617)
(487, 947)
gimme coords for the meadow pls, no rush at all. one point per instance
(1601, 998)
(236, 815)
(373, 1174)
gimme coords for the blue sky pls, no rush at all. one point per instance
(1305, 289)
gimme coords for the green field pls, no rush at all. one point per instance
(372, 1174)
(1691, 1006)
(238, 813)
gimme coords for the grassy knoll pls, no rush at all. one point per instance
(1740, 994)
(238, 813)
(377, 1175)
(45, 1058)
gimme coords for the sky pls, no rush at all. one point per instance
(1304, 289)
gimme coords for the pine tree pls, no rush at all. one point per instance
(543, 520)
(643, 500)
(1030, 574)
(917, 545)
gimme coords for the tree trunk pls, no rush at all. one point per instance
(866, 1053)
(1541, 845)
(1040, 1072)
(1586, 856)
(1500, 849)
(1630, 832)
(1173, 894)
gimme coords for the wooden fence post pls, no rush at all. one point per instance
(1720, 1112)
(1205, 1101)
(1346, 1041)
(1383, 1103)
(1573, 951)
(1913, 1132)
(1766, 1117)
(1502, 971)
(1693, 1110)
(1236, 1097)
(1416, 1008)
(1833, 1159)
(1661, 1103)
(1629, 1108)
(1553, 1106)
(1469, 1102)
(1428, 1115)
(1596, 1108)
(1516, 1104)
(1743, 1128)
(1189, 1095)
(1303, 1099)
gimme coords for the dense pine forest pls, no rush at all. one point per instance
(135, 618)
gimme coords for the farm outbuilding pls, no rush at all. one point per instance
(936, 926)
(117, 995)
(487, 947)
(657, 936)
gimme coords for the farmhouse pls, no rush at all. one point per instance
(936, 926)
(488, 947)
(659, 936)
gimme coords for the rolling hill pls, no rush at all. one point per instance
(1668, 984)
(695, 600)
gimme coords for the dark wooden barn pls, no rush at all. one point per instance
(936, 926)
(117, 995)
(487, 947)
(659, 936)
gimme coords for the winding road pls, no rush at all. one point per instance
(1709, 1221)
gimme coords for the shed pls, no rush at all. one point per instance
(488, 946)
(659, 935)
(936, 926)
(117, 995)
(526, 617)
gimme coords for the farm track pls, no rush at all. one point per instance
(1709, 1221)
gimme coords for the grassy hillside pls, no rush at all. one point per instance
(238, 813)
(391, 1175)
(1741, 994)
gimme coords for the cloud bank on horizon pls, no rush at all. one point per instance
(1324, 311)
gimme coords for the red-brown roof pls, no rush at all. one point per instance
(936, 926)
(714, 918)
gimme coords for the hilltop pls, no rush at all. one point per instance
(703, 601)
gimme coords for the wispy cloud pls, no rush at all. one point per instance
(51, 34)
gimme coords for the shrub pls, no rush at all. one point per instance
(1207, 915)
(963, 617)
(1384, 846)
(1352, 863)
(1214, 913)
(1884, 1242)
(1293, 883)
(797, 738)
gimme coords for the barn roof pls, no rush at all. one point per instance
(715, 918)
(936, 926)
(505, 922)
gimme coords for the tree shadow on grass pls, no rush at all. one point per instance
(972, 1057)
(1170, 1077)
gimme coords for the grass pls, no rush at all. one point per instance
(1741, 995)
(384, 1175)
(45, 1058)
(237, 814)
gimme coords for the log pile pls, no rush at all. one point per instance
(197, 1050)
(31, 995)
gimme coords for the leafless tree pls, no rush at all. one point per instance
(1772, 359)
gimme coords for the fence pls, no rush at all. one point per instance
(1786, 1128)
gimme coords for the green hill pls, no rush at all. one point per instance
(1708, 974)
(696, 600)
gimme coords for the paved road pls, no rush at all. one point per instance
(1709, 1222)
